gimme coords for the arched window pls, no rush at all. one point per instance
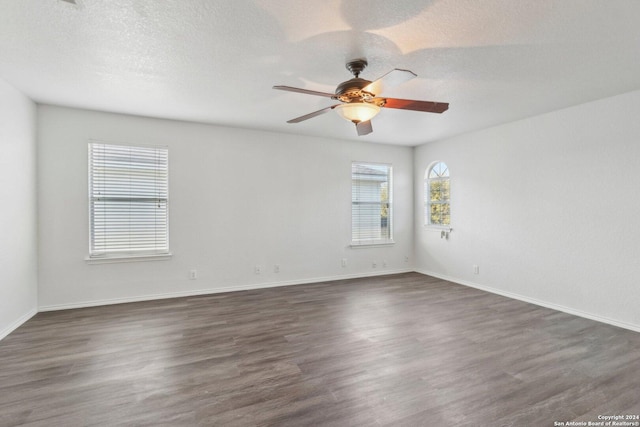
(437, 194)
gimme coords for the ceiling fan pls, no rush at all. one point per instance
(359, 100)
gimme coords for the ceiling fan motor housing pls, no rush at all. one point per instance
(351, 91)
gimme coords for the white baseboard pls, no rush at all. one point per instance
(15, 325)
(95, 303)
(597, 318)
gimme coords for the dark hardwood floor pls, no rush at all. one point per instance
(401, 350)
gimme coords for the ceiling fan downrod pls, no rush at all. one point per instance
(356, 66)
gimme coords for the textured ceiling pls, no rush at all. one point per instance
(215, 61)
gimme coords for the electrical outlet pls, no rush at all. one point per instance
(476, 269)
(374, 265)
(344, 262)
(384, 264)
(406, 259)
(193, 274)
(276, 268)
(257, 269)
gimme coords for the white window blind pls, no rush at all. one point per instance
(128, 200)
(371, 204)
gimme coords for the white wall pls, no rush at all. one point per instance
(18, 232)
(238, 198)
(547, 207)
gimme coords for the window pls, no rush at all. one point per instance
(371, 204)
(128, 200)
(437, 209)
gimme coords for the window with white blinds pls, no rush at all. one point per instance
(128, 200)
(371, 204)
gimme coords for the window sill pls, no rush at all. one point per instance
(355, 245)
(127, 258)
(438, 228)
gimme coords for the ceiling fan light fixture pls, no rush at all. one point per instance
(357, 111)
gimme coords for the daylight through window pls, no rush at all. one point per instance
(437, 189)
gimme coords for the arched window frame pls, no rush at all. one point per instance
(437, 195)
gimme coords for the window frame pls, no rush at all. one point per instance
(111, 255)
(428, 179)
(382, 241)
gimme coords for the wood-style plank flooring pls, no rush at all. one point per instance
(400, 350)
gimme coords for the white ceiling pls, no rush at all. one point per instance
(215, 61)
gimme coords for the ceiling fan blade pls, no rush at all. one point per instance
(311, 115)
(392, 78)
(308, 92)
(410, 104)
(364, 128)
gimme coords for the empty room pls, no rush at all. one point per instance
(319, 213)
